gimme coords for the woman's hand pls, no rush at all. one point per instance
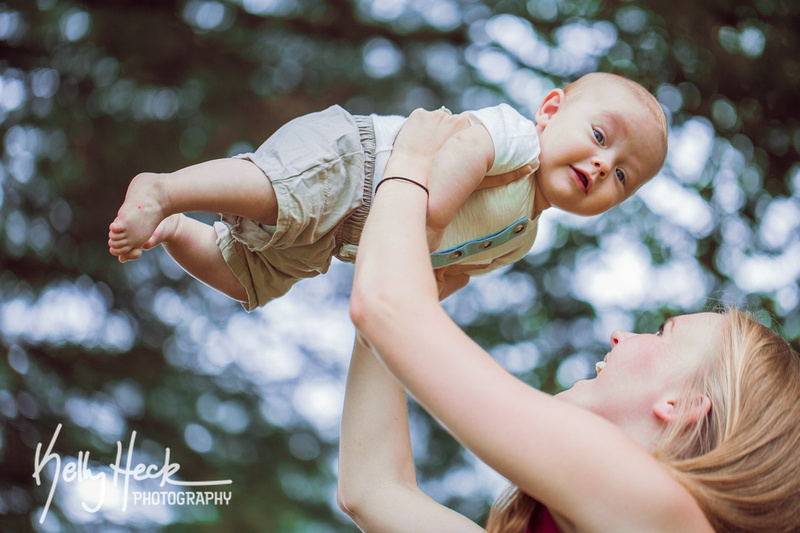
(453, 278)
(420, 139)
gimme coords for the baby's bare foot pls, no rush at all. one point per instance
(137, 218)
(164, 233)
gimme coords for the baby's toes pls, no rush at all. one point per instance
(130, 256)
(116, 240)
(117, 226)
(117, 247)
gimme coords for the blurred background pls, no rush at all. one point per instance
(94, 91)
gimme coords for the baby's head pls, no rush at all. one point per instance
(602, 137)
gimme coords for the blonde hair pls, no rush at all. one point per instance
(512, 512)
(741, 462)
(578, 89)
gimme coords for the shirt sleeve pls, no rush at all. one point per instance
(516, 142)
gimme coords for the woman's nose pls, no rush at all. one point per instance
(618, 335)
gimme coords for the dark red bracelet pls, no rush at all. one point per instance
(421, 186)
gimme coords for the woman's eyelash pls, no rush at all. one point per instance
(661, 329)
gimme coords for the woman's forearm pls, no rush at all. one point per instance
(377, 482)
(375, 448)
(393, 268)
(393, 271)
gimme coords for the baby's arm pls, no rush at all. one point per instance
(457, 171)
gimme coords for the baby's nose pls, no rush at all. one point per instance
(601, 165)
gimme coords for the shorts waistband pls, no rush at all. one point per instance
(349, 232)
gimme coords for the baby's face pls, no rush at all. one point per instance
(596, 150)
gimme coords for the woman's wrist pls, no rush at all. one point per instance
(404, 180)
(408, 166)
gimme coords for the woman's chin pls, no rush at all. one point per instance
(577, 394)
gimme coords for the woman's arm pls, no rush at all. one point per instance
(580, 466)
(377, 481)
(425, 132)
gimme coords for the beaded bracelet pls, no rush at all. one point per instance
(421, 186)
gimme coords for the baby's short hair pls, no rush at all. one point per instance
(593, 80)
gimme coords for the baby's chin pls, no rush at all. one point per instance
(585, 211)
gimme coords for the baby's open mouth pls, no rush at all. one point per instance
(583, 178)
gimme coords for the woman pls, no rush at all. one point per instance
(692, 428)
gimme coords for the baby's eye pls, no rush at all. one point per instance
(620, 176)
(661, 329)
(598, 136)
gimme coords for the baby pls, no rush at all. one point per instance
(303, 196)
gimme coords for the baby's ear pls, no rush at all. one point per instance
(550, 105)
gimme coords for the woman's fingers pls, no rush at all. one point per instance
(419, 140)
(426, 131)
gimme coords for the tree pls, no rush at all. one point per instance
(94, 91)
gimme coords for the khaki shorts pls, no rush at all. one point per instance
(320, 166)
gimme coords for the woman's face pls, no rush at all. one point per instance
(644, 370)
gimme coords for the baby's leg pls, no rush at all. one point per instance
(193, 245)
(233, 186)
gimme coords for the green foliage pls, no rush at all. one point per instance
(93, 92)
